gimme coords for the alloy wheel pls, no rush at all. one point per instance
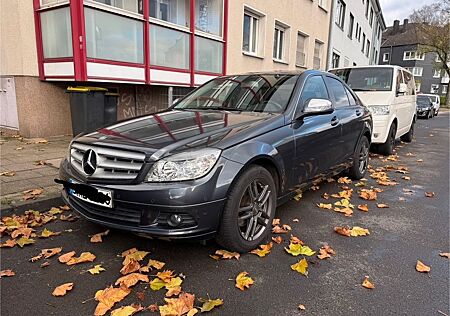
(363, 158)
(255, 209)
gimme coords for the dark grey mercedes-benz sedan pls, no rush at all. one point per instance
(219, 161)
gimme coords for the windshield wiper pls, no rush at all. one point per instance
(221, 108)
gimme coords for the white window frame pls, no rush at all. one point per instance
(340, 14)
(318, 42)
(305, 52)
(251, 49)
(323, 4)
(417, 71)
(386, 57)
(444, 89)
(436, 88)
(413, 55)
(338, 60)
(282, 29)
(260, 16)
(351, 25)
(437, 73)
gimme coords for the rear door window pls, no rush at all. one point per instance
(338, 91)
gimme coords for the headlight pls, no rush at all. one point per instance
(184, 166)
(379, 109)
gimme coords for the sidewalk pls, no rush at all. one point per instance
(30, 164)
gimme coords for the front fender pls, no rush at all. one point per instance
(249, 152)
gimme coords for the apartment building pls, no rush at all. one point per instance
(400, 46)
(355, 33)
(149, 52)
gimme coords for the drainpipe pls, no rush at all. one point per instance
(330, 32)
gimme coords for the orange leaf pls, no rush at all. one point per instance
(277, 239)
(363, 207)
(182, 305)
(131, 279)
(368, 194)
(6, 273)
(227, 254)
(278, 230)
(325, 252)
(429, 194)
(275, 221)
(66, 257)
(62, 289)
(296, 240)
(98, 237)
(130, 266)
(381, 205)
(344, 231)
(421, 267)
(243, 281)
(263, 250)
(165, 276)
(108, 297)
(301, 307)
(445, 254)
(84, 257)
(367, 284)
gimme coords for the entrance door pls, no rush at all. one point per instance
(8, 105)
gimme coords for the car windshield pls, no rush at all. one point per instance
(366, 79)
(250, 93)
(423, 100)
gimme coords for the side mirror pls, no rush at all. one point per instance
(318, 106)
(402, 89)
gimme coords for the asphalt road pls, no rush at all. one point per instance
(410, 230)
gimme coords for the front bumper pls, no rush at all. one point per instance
(422, 113)
(380, 129)
(145, 208)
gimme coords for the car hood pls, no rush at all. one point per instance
(172, 131)
(375, 97)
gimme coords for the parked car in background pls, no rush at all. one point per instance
(219, 161)
(425, 106)
(436, 102)
(389, 92)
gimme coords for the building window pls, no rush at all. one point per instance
(367, 48)
(173, 11)
(323, 4)
(434, 88)
(317, 59)
(444, 89)
(413, 55)
(251, 31)
(208, 16)
(335, 60)
(416, 71)
(113, 37)
(350, 25)
(56, 33)
(128, 5)
(437, 73)
(386, 57)
(418, 85)
(340, 13)
(52, 2)
(279, 42)
(169, 48)
(363, 43)
(371, 17)
(300, 57)
(208, 55)
(367, 8)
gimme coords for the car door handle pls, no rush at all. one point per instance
(334, 121)
(358, 112)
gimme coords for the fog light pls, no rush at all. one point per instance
(376, 135)
(174, 220)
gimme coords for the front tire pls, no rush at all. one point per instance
(360, 159)
(408, 137)
(250, 208)
(387, 148)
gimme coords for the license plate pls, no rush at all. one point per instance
(100, 197)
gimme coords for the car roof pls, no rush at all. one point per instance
(371, 66)
(276, 72)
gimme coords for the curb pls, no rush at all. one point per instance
(38, 205)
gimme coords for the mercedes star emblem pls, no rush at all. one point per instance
(89, 162)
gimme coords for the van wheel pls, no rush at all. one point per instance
(408, 137)
(360, 160)
(250, 208)
(388, 147)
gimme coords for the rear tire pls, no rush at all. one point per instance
(246, 221)
(428, 115)
(360, 159)
(387, 148)
(408, 137)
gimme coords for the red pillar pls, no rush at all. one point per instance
(78, 39)
(225, 37)
(38, 32)
(146, 42)
(192, 42)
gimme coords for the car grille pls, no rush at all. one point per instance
(112, 164)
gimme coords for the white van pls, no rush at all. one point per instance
(390, 94)
(436, 102)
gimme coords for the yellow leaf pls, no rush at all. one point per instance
(131, 279)
(298, 249)
(98, 237)
(243, 281)
(173, 287)
(126, 310)
(209, 305)
(359, 231)
(108, 297)
(84, 257)
(227, 254)
(344, 180)
(62, 289)
(298, 196)
(301, 267)
(344, 203)
(263, 250)
(157, 284)
(24, 241)
(96, 269)
(8, 174)
(55, 210)
(421, 267)
(136, 256)
(327, 206)
(367, 284)
(48, 233)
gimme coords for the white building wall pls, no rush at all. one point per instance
(349, 49)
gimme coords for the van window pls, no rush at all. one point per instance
(409, 80)
(399, 79)
(366, 78)
(340, 96)
(351, 98)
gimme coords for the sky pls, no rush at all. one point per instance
(400, 9)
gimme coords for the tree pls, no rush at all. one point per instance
(432, 23)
